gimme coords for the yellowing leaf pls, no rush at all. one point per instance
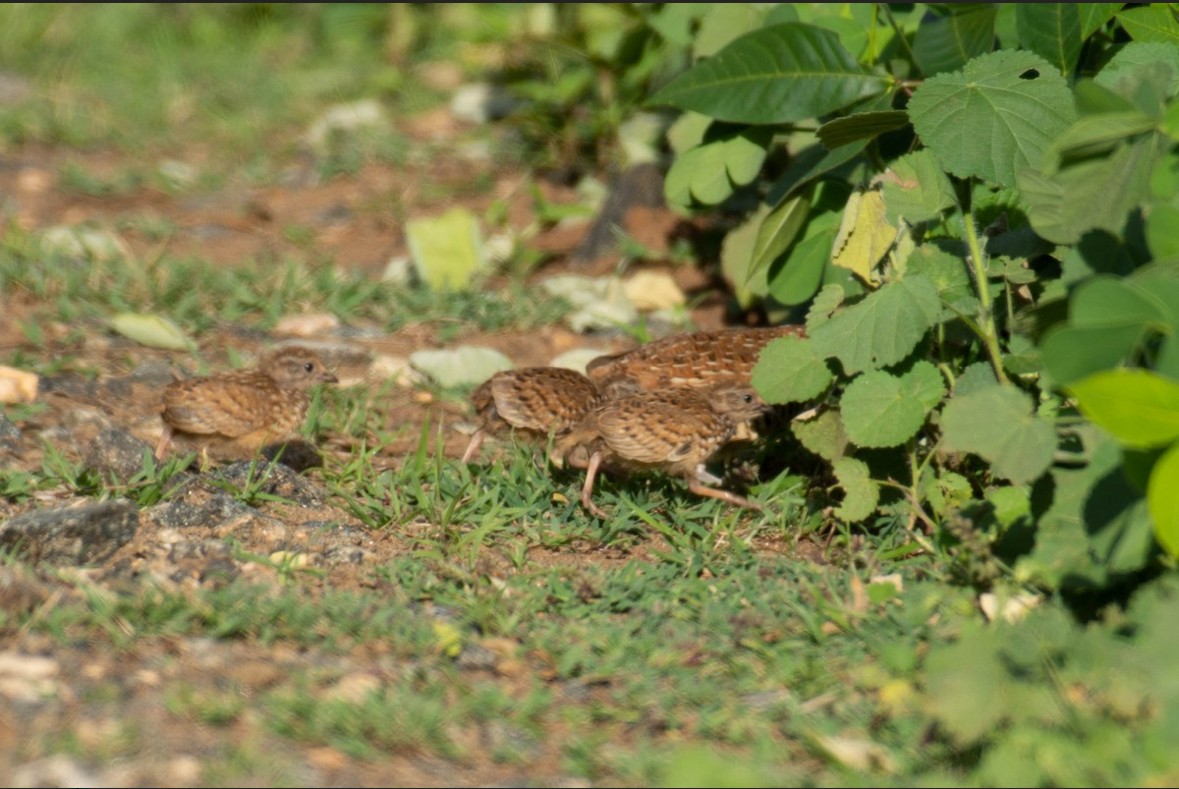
(446, 249)
(449, 639)
(153, 331)
(864, 236)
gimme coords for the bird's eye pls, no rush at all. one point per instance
(748, 398)
(309, 367)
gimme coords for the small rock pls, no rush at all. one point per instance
(274, 480)
(309, 325)
(577, 359)
(466, 364)
(354, 688)
(89, 532)
(54, 771)
(481, 102)
(27, 678)
(653, 290)
(10, 435)
(116, 454)
(348, 118)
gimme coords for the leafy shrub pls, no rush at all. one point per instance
(974, 208)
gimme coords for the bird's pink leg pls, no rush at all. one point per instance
(588, 488)
(700, 489)
(165, 439)
(473, 447)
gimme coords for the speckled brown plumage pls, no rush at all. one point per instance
(675, 430)
(696, 359)
(236, 414)
(534, 401)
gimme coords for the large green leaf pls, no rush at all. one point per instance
(778, 230)
(1071, 353)
(997, 423)
(1109, 301)
(1051, 30)
(801, 272)
(1151, 22)
(882, 329)
(778, 74)
(809, 164)
(878, 411)
(789, 371)
(1092, 194)
(945, 43)
(1140, 407)
(1092, 522)
(1162, 499)
(708, 172)
(1095, 15)
(1119, 73)
(994, 117)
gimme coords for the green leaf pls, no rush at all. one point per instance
(1160, 230)
(1106, 301)
(999, 425)
(1151, 22)
(809, 164)
(979, 375)
(861, 126)
(779, 74)
(827, 300)
(446, 249)
(778, 230)
(737, 259)
(967, 688)
(1162, 500)
(994, 117)
(861, 493)
(802, 271)
(709, 171)
(153, 331)
(1071, 353)
(721, 24)
(822, 435)
(882, 329)
(1092, 524)
(878, 411)
(1132, 63)
(1051, 30)
(1095, 194)
(947, 271)
(945, 43)
(1139, 407)
(925, 385)
(1095, 15)
(916, 189)
(789, 371)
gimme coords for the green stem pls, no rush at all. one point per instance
(986, 325)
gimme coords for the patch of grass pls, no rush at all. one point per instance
(199, 296)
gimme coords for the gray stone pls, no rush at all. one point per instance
(87, 533)
(116, 454)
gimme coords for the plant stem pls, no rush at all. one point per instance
(986, 325)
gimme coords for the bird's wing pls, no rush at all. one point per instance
(231, 406)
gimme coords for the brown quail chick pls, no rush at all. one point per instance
(534, 401)
(675, 430)
(236, 414)
(694, 359)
